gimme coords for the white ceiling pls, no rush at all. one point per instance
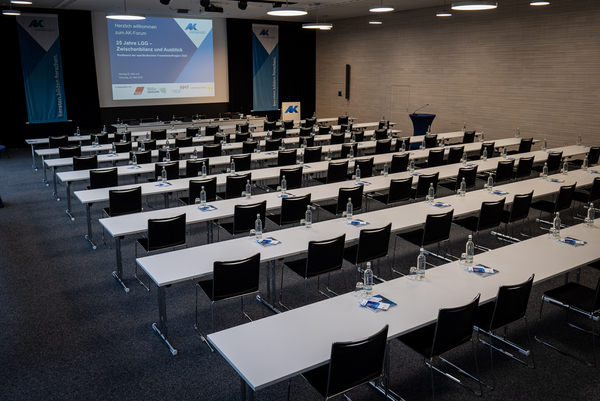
(328, 9)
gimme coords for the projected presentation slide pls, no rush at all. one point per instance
(161, 58)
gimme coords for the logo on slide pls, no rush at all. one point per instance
(292, 109)
(139, 90)
(190, 27)
(264, 32)
(36, 23)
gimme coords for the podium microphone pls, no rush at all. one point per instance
(415, 112)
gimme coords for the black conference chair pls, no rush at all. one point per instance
(455, 154)
(504, 171)
(435, 157)
(142, 157)
(243, 128)
(584, 197)
(383, 146)
(244, 217)
(575, 298)
(288, 124)
(163, 234)
(323, 257)
(489, 147)
(524, 168)
(104, 178)
(212, 150)
(399, 142)
(336, 172)
(399, 163)
(122, 202)
(593, 156)
(337, 139)
(269, 125)
(186, 142)
(553, 162)
(102, 138)
(211, 130)
(305, 131)
(355, 194)
(193, 167)
(292, 210)
(468, 137)
(469, 174)
(453, 328)
(242, 162)
(423, 184)
(509, 307)
(235, 185)
(287, 157)
(524, 146)
(398, 191)
(85, 162)
(273, 144)
(490, 216)
(173, 154)
(431, 141)
(306, 141)
(309, 122)
(563, 201)
(345, 150)
(366, 167)
(192, 131)
(158, 134)
(123, 147)
(250, 146)
(172, 169)
(435, 231)
(313, 154)
(325, 130)
(351, 364)
(194, 188)
(58, 141)
(221, 137)
(380, 134)
(279, 133)
(519, 211)
(230, 279)
(149, 144)
(342, 120)
(293, 178)
(373, 245)
(70, 151)
(242, 136)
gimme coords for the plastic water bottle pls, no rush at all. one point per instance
(463, 159)
(301, 162)
(195, 154)
(586, 163)
(428, 129)
(166, 145)
(504, 153)
(304, 143)
(143, 146)
(232, 167)
(202, 196)
(481, 137)
(258, 227)
(565, 168)
(368, 279)
(283, 185)
(349, 209)
(134, 159)
(203, 172)
(421, 265)
(470, 250)
(104, 128)
(579, 140)
(164, 174)
(352, 138)
(329, 155)
(544, 144)
(168, 156)
(123, 139)
(463, 187)
(545, 170)
(248, 189)
(484, 154)
(351, 154)
(113, 149)
(464, 127)
(78, 133)
(411, 166)
(518, 133)
(386, 169)
(430, 193)
(308, 217)
(403, 148)
(556, 223)
(591, 214)
(490, 183)
(147, 136)
(357, 173)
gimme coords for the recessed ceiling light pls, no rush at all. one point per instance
(317, 25)
(539, 3)
(381, 8)
(475, 5)
(375, 22)
(11, 12)
(21, 2)
(443, 14)
(125, 16)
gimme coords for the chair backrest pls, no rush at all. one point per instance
(355, 194)
(173, 154)
(325, 256)
(124, 201)
(104, 178)
(424, 182)
(279, 133)
(455, 154)
(380, 134)
(293, 177)
(564, 198)
(353, 363)
(437, 228)
(192, 131)
(288, 124)
(244, 216)
(308, 140)
(594, 155)
(366, 167)
(553, 161)
(85, 162)
(269, 125)
(511, 304)
(305, 131)
(243, 128)
(166, 233)
(102, 138)
(193, 167)
(210, 187)
(324, 129)
(359, 136)
(242, 136)
(436, 157)
(149, 144)
(373, 243)
(337, 171)
(490, 214)
(242, 162)
(273, 144)
(399, 163)
(309, 122)
(345, 151)
(454, 327)
(504, 170)
(382, 124)
(337, 139)
(524, 167)
(399, 190)
(158, 134)
(58, 141)
(430, 141)
(119, 136)
(342, 120)
(287, 157)
(489, 146)
(525, 145)
(212, 150)
(468, 137)
(595, 191)
(399, 142)
(142, 157)
(293, 209)
(184, 142)
(172, 169)
(235, 278)
(235, 185)
(211, 130)
(123, 147)
(220, 137)
(383, 146)
(313, 154)
(469, 174)
(250, 146)
(70, 151)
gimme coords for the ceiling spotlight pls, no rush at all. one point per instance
(165, 2)
(381, 8)
(539, 3)
(242, 4)
(475, 5)
(375, 22)
(125, 16)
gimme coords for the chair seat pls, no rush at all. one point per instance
(415, 236)
(420, 340)
(581, 196)
(383, 198)
(227, 226)
(483, 318)
(331, 208)
(318, 378)
(350, 253)
(470, 223)
(505, 216)
(297, 266)
(543, 205)
(574, 294)
(143, 243)
(207, 287)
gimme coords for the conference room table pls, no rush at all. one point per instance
(197, 262)
(89, 197)
(279, 347)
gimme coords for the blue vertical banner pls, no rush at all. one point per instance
(39, 42)
(265, 67)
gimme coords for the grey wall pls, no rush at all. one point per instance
(536, 68)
